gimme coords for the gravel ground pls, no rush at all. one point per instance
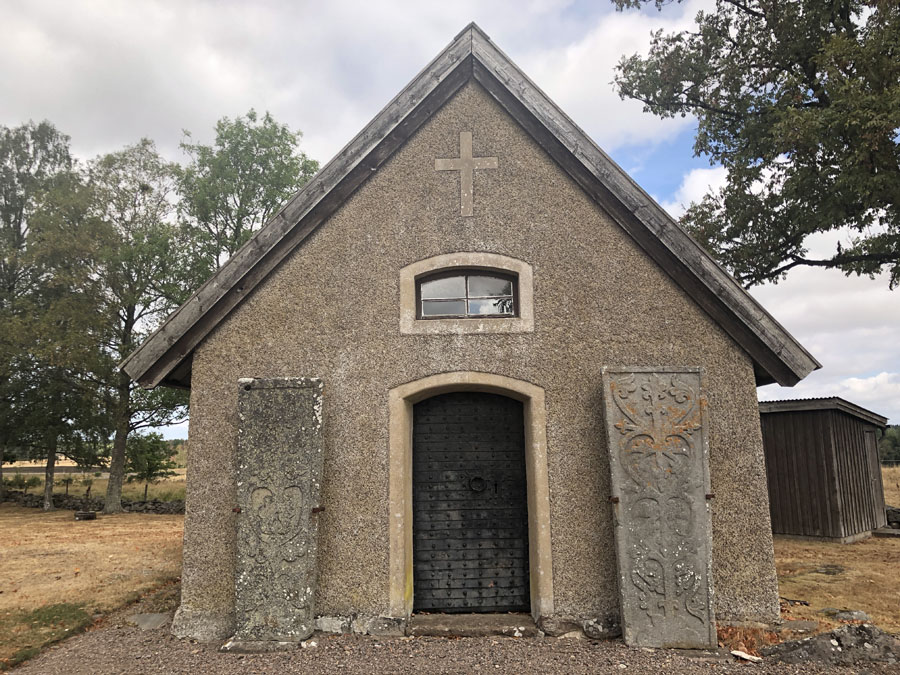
(114, 646)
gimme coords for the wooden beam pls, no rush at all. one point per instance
(176, 338)
(165, 357)
(771, 346)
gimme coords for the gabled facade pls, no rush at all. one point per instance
(457, 278)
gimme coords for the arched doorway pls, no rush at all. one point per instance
(470, 513)
(402, 399)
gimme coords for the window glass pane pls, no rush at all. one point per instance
(448, 287)
(492, 306)
(482, 286)
(443, 307)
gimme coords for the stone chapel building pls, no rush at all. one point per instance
(466, 368)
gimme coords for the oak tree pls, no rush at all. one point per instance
(800, 101)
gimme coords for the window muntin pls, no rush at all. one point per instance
(467, 294)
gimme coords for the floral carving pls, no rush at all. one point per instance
(658, 462)
(279, 471)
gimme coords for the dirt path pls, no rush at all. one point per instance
(116, 647)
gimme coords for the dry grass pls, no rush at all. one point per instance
(862, 576)
(58, 571)
(890, 476)
(165, 490)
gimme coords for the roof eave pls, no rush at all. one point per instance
(166, 356)
(821, 404)
(172, 344)
(777, 355)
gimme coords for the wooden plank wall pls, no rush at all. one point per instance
(858, 485)
(803, 496)
(877, 478)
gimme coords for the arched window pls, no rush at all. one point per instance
(470, 293)
(466, 292)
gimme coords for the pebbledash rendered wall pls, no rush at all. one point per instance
(332, 311)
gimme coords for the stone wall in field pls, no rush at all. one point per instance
(92, 504)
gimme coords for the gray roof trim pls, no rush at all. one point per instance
(829, 403)
(164, 358)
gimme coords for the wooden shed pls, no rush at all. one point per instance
(822, 467)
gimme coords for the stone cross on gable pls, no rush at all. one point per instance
(466, 165)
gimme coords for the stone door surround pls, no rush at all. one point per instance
(401, 401)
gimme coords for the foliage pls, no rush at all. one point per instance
(66, 481)
(31, 155)
(149, 459)
(139, 268)
(889, 444)
(93, 257)
(30, 482)
(800, 101)
(178, 449)
(46, 318)
(233, 187)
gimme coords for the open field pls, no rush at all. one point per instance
(891, 479)
(862, 576)
(166, 490)
(58, 573)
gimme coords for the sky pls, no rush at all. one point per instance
(109, 72)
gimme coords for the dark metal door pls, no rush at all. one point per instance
(470, 518)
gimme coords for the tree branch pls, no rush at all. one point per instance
(836, 261)
(744, 8)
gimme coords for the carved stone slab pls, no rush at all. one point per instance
(658, 456)
(278, 479)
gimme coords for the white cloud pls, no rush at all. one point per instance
(174, 431)
(109, 72)
(578, 75)
(695, 184)
(877, 388)
(879, 393)
(851, 325)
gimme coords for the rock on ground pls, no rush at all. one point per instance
(851, 645)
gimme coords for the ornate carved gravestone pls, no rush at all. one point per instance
(279, 475)
(656, 429)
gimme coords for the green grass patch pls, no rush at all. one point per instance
(25, 634)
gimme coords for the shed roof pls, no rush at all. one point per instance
(825, 403)
(165, 357)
